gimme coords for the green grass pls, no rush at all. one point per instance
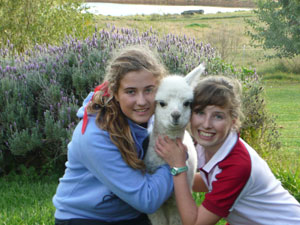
(25, 202)
(197, 25)
(283, 101)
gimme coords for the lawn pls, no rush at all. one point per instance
(26, 202)
(283, 101)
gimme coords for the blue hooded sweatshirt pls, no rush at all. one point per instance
(98, 183)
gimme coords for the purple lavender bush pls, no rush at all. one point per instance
(42, 89)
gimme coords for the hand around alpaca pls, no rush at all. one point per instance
(174, 152)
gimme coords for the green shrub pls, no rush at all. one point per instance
(27, 22)
(259, 129)
(41, 90)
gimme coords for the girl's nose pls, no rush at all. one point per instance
(206, 122)
(141, 100)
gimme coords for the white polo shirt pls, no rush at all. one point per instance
(242, 188)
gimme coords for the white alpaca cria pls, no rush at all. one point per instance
(172, 114)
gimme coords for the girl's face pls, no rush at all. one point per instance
(136, 95)
(211, 126)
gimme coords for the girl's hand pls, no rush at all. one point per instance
(174, 152)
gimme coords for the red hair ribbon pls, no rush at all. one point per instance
(102, 87)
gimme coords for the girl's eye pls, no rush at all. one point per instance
(219, 117)
(199, 112)
(130, 92)
(149, 90)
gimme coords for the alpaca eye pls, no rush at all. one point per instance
(162, 104)
(187, 104)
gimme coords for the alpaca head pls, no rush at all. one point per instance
(173, 100)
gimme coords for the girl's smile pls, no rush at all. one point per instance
(211, 126)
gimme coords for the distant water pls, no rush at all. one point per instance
(114, 9)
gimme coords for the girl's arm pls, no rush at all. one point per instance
(143, 191)
(199, 185)
(174, 153)
(189, 212)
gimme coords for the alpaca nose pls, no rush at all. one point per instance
(175, 115)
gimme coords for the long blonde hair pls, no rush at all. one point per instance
(109, 114)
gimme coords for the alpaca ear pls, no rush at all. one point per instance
(192, 77)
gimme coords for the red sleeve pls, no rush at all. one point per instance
(235, 172)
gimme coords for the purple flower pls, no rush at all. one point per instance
(7, 69)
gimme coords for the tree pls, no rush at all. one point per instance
(277, 27)
(25, 23)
